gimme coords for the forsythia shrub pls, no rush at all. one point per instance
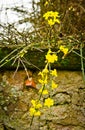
(47, 74)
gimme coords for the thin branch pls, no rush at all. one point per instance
(8, 55)
(78, 54)
(25, 61)
(82, 63)
(16, 68)
(7, 61)
(24, 67)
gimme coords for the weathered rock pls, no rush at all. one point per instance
(62, 98)
(68, 112)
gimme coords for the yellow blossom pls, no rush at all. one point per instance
(41, 73)
(64, 49)
(37, 113)
(51, 22)
(54, 73)
(51, 58)
(54, 85)
(51, 17)
(34, 112)
(33, 103)
(43, 81)
(57, 21)
(49, 102)
(45, 70)
(44, 92)
(36, 104)
(51, 14)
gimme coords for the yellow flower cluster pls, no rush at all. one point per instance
(54, 85)
(52, 17)
(43, 91)
(51, 58)
(34, 111)
(49, 102)
(43, 80)
(43, 75)
(47, 74)
(54, 73)
(44, 71)
(63, 49)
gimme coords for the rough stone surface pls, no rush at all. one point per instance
(68, 112)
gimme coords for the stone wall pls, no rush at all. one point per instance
(68, 112)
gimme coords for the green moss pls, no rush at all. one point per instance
(65, 62)
(36, 59)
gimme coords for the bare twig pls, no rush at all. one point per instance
(16, 68)
(24, 67)
(82, 64)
